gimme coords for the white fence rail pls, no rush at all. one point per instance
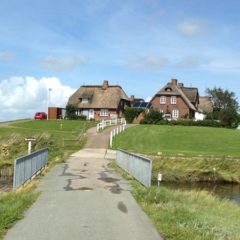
(115, 132)
(105, 123)
(28, 166)
(138, 166)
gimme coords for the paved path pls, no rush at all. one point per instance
(84, 199)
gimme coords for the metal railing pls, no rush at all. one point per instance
(138, 166)
(28, 166)
(105, 123)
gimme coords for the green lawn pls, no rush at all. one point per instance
(47, 133)
(173, 140)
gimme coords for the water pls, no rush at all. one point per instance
(228, 191)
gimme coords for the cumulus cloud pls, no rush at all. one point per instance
(21, 97)
(62, 64)
(147, 62)
(6, 57)
(193, 27)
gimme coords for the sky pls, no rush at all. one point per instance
(138, 44)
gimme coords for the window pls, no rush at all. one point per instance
(175, 114)
(162, 100)
(85, 100)
(104, 112)
(173, 100)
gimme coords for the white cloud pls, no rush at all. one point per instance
(62, 64)
(193, 27)
(6, 57)
(189, 62)
(148, 62)
(21, 97)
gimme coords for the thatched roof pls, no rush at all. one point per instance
(99, 96)
(205, 104)
(189, 95)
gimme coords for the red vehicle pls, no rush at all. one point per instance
(40, 116)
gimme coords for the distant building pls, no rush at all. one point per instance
(176, 101)
(205, 104)
(100, 101)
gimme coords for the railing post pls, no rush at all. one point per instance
(111, 138)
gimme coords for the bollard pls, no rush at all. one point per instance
(159, 179)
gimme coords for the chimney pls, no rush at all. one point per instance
(132, 98)
(174, 82)
(105, 84)
(180, 85)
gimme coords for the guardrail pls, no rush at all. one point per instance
(138, 166)
(105, 123)
(28, 166)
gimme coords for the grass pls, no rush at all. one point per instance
(186, 154)
(187, 215)
(188, 169)
(174, 140)
(12, 207)
(48, 134)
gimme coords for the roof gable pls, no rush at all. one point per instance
(99, 96)
(189, 95)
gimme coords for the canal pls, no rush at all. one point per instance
(228, 191)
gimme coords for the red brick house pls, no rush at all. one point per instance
(176, 101)
(100, 101)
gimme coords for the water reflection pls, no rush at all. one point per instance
(229, 191)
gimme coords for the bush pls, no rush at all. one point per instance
(130, 113)
(71, 111)
(152, 117)
(190, 122)
(229, 118)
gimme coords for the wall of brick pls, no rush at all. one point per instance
(184, 111)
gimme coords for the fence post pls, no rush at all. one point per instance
(111, 138)
(117, 131)
(114, 132)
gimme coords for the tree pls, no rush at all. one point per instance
(71, 111)
(225, 107)
(222, 99)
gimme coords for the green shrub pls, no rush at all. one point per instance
(190, 122)
(152, 117)
(130, 113)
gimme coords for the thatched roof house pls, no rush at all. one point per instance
(100, 101)
(176, 100)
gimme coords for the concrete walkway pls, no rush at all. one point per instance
(84, 199)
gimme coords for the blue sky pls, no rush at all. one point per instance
(138, 44)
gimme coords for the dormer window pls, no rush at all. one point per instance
(85, 100)
(162, 100)
(173, 99)
(168, 89)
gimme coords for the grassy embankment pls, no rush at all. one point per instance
(48, 134)
(187, 215)
(186, 153)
